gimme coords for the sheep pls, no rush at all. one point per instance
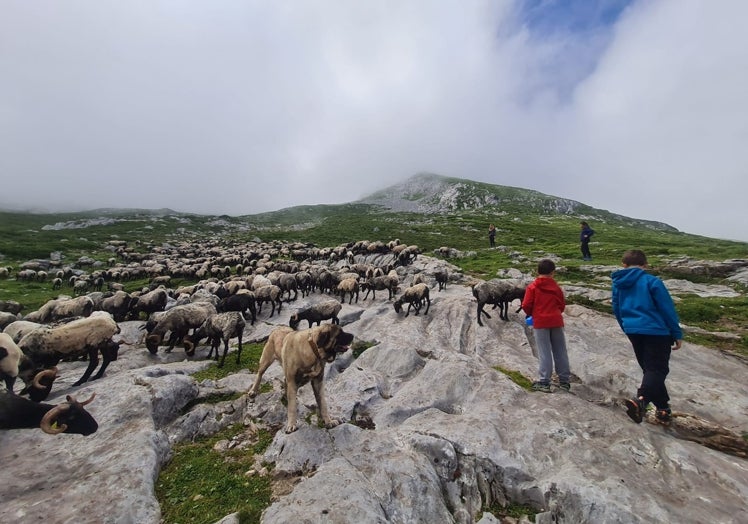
(348, 286)
(318, 312)
(81, 306)
(221, 326)
(10, 306)
(67, 417)
(303, 282)
(287, 283)
(498, 292)
(47, 345)
(10, 356)
(178, 320)
(414, 296)
(6, 319)
(242, 301)
(374, 284)
(269, 293)
(118, 305)
(149, 303)
(56, 283)
(18, 329)
(442, 277)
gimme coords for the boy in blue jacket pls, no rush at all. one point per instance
(645, 311)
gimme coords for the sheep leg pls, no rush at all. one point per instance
(9, 382)
(239, 352)
(225, 351)
(481, 312)
(93, 361)
(428, 305)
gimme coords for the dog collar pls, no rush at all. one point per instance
(315, 349)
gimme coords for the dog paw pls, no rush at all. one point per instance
(333, 422)
(252, 393)
(290, 428)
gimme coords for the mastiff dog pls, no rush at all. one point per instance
(303, 355)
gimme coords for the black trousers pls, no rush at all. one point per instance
(653, 354)
(586, 250)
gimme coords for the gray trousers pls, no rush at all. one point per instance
(552, 349)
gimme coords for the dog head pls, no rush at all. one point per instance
(332, 339)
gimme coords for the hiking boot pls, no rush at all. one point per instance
(635, 409)
(565, 386)
(540, 386)
(664, 415)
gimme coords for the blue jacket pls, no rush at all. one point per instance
(585, 234)
(642, 304)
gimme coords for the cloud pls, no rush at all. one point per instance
(244, 107)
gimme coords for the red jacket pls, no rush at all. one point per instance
(544, 301)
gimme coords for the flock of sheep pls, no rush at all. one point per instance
(232, 286)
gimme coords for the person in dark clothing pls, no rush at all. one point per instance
(544, 302)
(645, 311)
(584, 238)
(492, 235)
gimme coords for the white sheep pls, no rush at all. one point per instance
(47, 345)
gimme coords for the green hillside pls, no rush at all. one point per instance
(453, 213)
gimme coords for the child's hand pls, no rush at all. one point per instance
(677, 344)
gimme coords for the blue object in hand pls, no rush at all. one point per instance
(528, 321)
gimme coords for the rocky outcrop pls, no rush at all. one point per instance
(441, 431)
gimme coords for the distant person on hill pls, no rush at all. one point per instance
(544, 302)
(645, 311)
(492, 235)
(584, 238)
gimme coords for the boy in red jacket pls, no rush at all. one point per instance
(544, 302)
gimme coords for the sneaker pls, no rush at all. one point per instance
(635, 409)
(664, 415)
(565, 386)
(540, 386)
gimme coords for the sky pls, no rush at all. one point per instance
(638, 107)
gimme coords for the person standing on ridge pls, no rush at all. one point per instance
(645, 311)
(492, 235)
(584, 238)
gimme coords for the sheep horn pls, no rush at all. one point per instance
(71, 399)
(189, 348)
(50, 373)
(51, 416)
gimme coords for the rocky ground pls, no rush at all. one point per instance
(447, 433)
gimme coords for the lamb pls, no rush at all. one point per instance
(500, 293)
(67, 417)
(318, 312)
(414, 296)
(374, 284)
(47, 345)
(242, 301)
(221, 326)
(178, 320)
(269, 293)
(348, 286)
